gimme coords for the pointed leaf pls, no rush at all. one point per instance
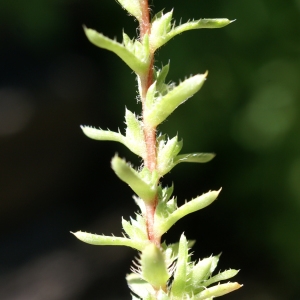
(165, 209)
(164, 224)
(165, 105)
(214, 262)
(201, 271)
(194, 157)
(180, 275)
(161, 77)
(191, 157)
(128, 43)
(221, 276)
(202, 23)
(127, 227)
(161, 25)
(150, 96)
(166, 155)
(139, 286)
(125, 172)
(134, 134)
(217, 290)
(126, 55)
(103, 240)
(103, 135)
(135, 145)
(137, 232)
(153, 267)
(133, 7)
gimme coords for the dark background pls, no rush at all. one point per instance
(54, 180)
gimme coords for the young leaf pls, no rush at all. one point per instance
(153, 267)
(221, 276)
(131, 59)
(160, 79)
(161, 25)
(166, 154)
(132, 141)
(165, 105)
(135, 230)
(217, 291)
(150, 96)
(168, 164)
(134, 134)
(194, 157)
(201, 271)
(139, 286)
(180, 275)
(202, 23)
(103, 240)
(133, 7)
(162, 225)
(103, 135)
(126, 173)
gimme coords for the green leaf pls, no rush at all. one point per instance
(139, 286)
(168, 164)
(103, 240)
(166, 193)
(161, 295)
(165, 209)
(201, 271)
(180, 275)
(166, 154)
(214, 263)
(134, 139)
(136, 230)
(134, 134)
(165, 105)
(163, 224)
(128, 43)
(153, 267)
(194, 157)
(103, 135)
(145, 190)
(221, 276)
(150, 96)
(133, 7)
(165, 205)
(217, 290)
(160, 79)
(161, 25)
(130, 58)
(202, 23)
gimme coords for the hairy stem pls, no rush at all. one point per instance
(145, 25)
(149, 131)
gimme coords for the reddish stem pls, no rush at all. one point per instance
(149, 131)
(145, 25)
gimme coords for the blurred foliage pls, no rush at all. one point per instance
(248, 113)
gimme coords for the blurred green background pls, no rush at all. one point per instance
(53, 179)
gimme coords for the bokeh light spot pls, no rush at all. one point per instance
(279, 71)
(267, 117)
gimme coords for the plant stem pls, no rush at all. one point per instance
(145, 25)
(149, 131)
